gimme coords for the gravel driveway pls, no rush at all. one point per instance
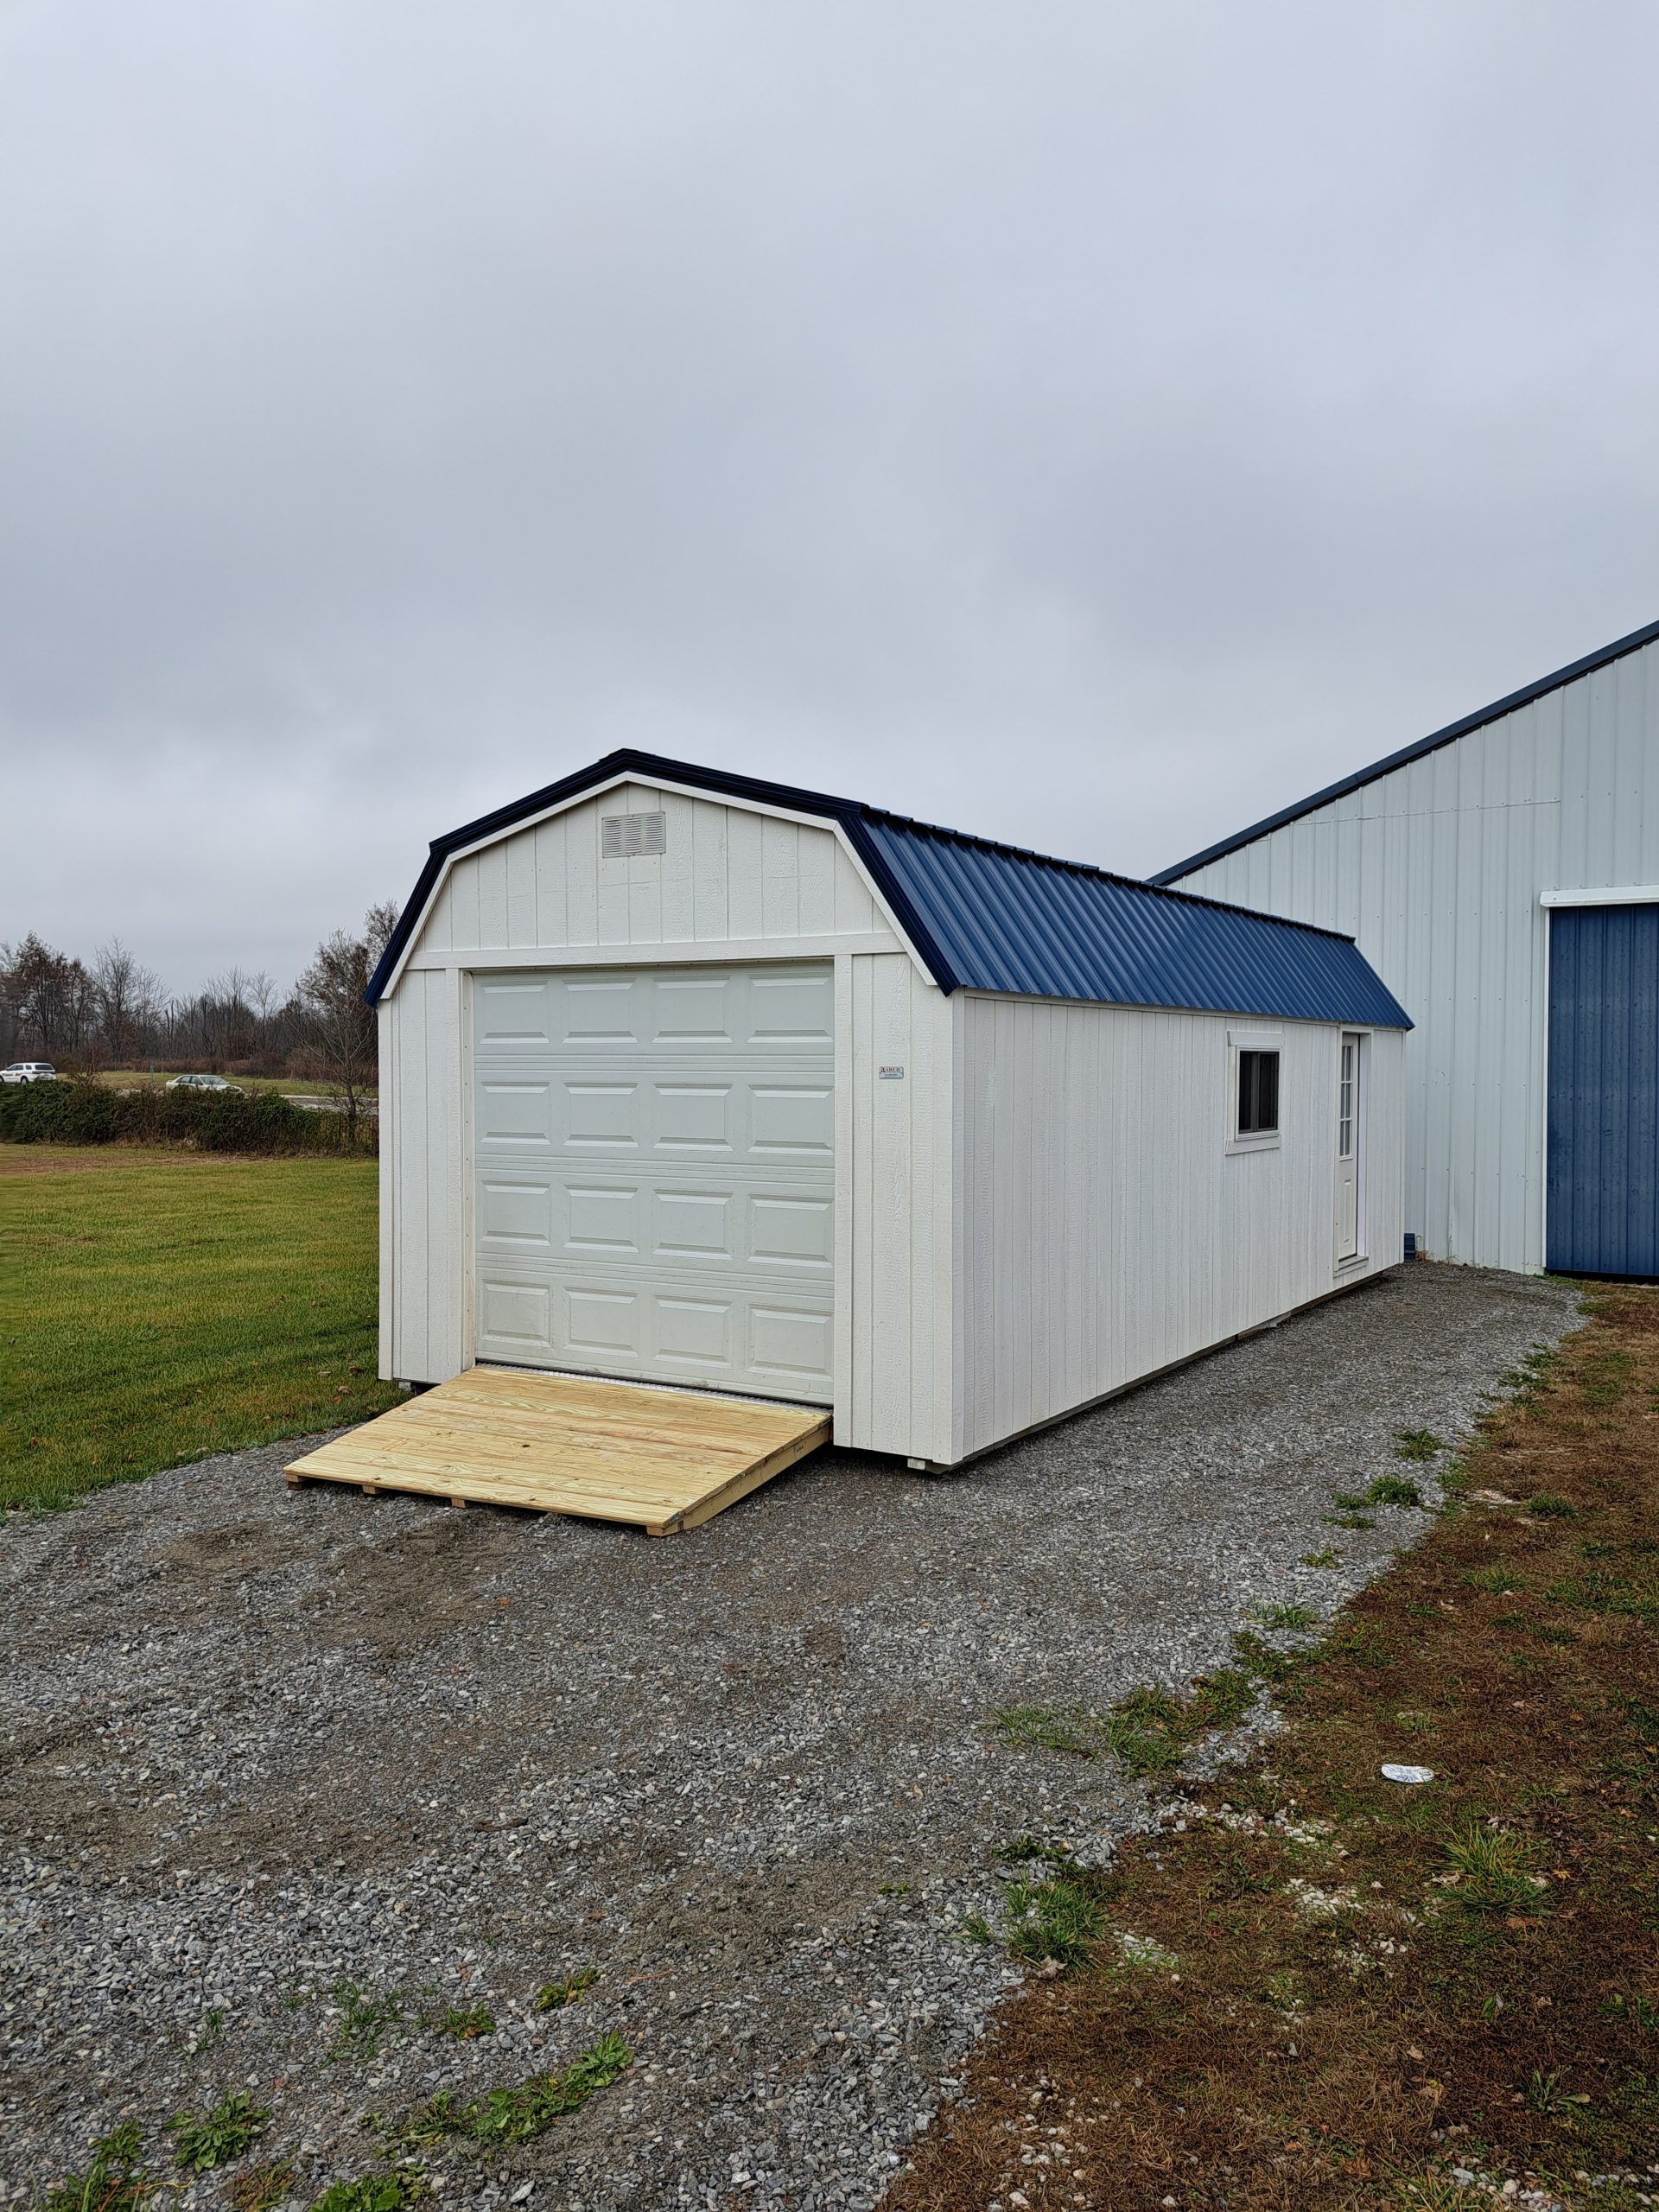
(261, 1744)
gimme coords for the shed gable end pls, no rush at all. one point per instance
(725, 875)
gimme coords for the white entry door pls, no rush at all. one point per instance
(654, 1157)
(1348, 1119)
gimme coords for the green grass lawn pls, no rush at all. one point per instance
(156, 1307)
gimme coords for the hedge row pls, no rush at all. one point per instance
(68, 1112)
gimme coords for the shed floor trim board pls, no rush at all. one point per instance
(662, 1459)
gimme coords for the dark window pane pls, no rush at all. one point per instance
(1258, 1094)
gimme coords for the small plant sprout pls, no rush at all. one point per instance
(462, 2026)
(1546, 1506)
(1045, 1728)
(1326, 1558)
(1491, 1873)
(1057, 1919)
(393, 2192)
(554, 1996)
(1392, 1490)
(114, 2182)
(365, 2021)
(1284, 1616)
(504, 2116)
(895, 1890)
(233, 2125)
(262, 2186)
(977, 1929)
(1419, 1443)
(211, 2027)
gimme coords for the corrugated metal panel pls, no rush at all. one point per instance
(1604, 1091)
(1021, 925)
(1442, 890)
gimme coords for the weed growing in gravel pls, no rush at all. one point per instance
(1285, 1616)
(391, 2192)
(1419, 1443)
(1392, 1490)
(553, 1996)
(262, 2186)
(463, 2026)
(114, 2182)
(1045, 1728)
(1326, 1558)
(516, 2115)
(211, 2027)
(231, 2127)
(977, 1929)
(895, 1890)
(1024, 1848)
(365, 2022)
(1057, 1919)
(1491, 1871)
(1349, 1519)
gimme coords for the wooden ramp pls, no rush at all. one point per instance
(662, 1459)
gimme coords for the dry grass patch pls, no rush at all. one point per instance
(1335, 1991)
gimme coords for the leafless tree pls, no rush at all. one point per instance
(128, 998)
(340, 1029)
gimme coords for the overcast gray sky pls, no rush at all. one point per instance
(1090, 424)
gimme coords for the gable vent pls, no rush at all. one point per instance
(624, 836)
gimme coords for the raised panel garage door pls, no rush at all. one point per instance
(655, 1165)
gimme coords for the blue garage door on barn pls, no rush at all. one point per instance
(1604, 1091)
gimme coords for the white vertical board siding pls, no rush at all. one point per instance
(899, 1182)
(728, 873)
(1437, 869)
(424, 1337)
(1104, 1229)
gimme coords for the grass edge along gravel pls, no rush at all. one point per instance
(1325, 1991)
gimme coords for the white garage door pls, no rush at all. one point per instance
(656, 1174)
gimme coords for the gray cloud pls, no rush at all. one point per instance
(1091, 426)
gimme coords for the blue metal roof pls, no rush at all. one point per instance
(986, 917)
(1034, 928)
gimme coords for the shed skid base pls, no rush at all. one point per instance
(663, 1461)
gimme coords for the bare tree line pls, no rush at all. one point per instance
(113, 1012)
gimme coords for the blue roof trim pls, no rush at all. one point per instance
(988, 917)
(1416, 751)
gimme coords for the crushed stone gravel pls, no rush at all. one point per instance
(263, 1745)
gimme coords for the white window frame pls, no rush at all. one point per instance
(1253, 1040)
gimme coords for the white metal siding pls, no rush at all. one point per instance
(655, 1173)
(1104, 1229)
(1437, 869)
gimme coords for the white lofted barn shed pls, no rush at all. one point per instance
(693, 1079)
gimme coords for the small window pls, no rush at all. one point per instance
(1258, 1094)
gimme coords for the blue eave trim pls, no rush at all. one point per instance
(1588, 666)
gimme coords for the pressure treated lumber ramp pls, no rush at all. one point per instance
(662, 1459)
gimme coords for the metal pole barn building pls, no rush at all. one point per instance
(688, 1078)
(1503, 876)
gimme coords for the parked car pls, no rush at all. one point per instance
(29, 1071)
(205, 1083)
